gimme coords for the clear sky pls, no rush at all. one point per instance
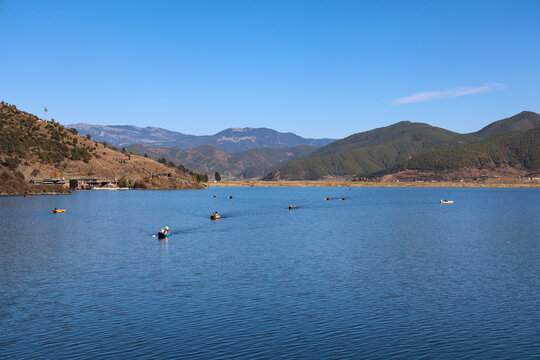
(315, 68)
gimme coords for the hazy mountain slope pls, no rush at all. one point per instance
(525, 120)
(370, 151)
(230, 140)
(124, 135)
(247, 164)
(36, 148)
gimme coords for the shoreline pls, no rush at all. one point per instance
(369, 184)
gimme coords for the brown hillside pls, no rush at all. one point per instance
(40, 149)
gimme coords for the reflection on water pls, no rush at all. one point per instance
(386, 273)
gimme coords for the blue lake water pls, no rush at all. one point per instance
(387, 273)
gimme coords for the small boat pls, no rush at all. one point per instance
(58, 210)
(214, 216)
(230, 196)
(328, 198)
(292, 207)
(163, 235)
(29, 195)
(447, 201)
(343, 198)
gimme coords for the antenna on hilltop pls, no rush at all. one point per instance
(45, 113)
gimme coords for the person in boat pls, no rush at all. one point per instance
(166, 228)
(291, 207)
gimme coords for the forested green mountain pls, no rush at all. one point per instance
(525, 120)
(519, 150)
(379, 149)
(371, 151)
(242, 165)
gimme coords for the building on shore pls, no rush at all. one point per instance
(90, 183)
(49, 181)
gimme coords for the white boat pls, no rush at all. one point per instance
(447, 201)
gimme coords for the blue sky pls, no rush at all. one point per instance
(315, 68)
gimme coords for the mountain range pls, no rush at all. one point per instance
(241, 165)
(374, 151)
(231, 140)
(250, 153)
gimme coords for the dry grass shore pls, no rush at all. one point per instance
(368, 184)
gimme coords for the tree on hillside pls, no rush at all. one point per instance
(217, 176)
(162, 161)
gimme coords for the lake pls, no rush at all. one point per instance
(386, 273)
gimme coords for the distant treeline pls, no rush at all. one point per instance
(199, 177)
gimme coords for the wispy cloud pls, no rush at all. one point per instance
(439, 94)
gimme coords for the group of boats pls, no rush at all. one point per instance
(164, 233)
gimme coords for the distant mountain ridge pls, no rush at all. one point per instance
(231, 140)
(208, 159)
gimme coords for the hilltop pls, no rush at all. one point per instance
(33, 148)
(231, 140)
(370, 151)
(525, 120)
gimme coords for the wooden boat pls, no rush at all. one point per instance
(447, 201)
(214, 216)
(58, 210)
(163, 235)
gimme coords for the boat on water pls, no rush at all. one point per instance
(214, 216)
(29, 195)
(447, 201)
(58, 210)
(163, 235)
